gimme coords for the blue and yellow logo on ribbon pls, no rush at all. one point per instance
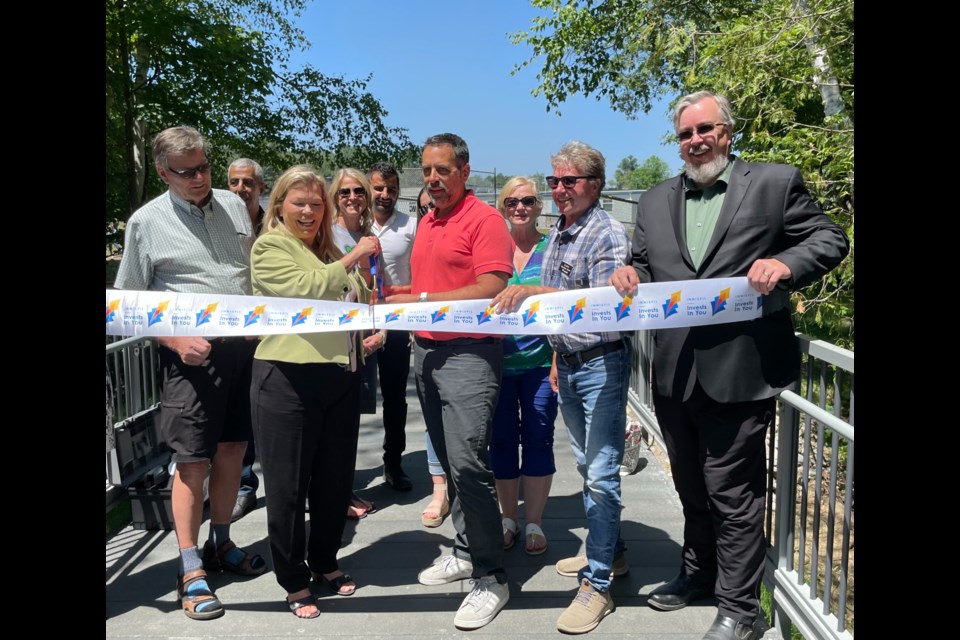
(485, 316)
(394, 315)
(576, 311)
(300, 318)
(672, 306)
(531, 314)
(156, 315)
(348, 317)
(203, 317)
(719, 303)
(439, 314)
(112, 309)
(254, 316)
(623, 309)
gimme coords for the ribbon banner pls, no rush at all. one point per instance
(659, 305)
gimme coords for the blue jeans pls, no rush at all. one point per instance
(593, 401)
(433, 462)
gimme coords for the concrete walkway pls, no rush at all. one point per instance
(386, 550)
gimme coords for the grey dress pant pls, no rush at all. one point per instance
(458, 383)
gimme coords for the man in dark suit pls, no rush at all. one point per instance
(715, 387)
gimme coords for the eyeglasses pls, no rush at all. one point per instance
(425, 209)
(702, 130)
(357, 191)
(568, 181)
(527, 201)
(189, 174)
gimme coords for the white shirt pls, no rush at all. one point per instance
(396, 241)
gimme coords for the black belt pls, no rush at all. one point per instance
(227, 339)
(427, 343)
(581, 357)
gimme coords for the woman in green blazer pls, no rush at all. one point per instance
(306, 389)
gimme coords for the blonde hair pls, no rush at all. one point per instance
(366, 216)
(512, 185)
(302, 175)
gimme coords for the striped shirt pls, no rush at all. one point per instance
(584, 255)
(172, 245)
(527, 351)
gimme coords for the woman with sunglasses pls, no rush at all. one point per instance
(424, 204)
(305, 389)
(525, 414)
(351, 201)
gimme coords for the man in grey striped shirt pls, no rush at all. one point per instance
(195, 239)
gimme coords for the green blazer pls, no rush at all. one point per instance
(282, 266)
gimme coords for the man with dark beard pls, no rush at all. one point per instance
(715, 387)
(396, 232)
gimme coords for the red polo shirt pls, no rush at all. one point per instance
(453, 251)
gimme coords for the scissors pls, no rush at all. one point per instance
(377, 294)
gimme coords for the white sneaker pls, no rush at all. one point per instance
(446, 569)
(482, 604)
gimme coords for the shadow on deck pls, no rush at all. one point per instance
(386, 550)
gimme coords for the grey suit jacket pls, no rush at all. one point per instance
(767, 213)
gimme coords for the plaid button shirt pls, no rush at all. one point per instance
(584, 255)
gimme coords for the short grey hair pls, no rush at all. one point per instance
(585, 158)
(177, 141)
(243, 163)
(723, 105)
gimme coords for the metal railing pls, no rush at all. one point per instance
(133, 398)
(810, 489)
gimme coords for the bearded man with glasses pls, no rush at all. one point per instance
(715, 386)
(195, 239)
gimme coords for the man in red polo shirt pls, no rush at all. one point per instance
(462, 251)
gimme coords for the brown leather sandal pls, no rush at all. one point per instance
(199, 603)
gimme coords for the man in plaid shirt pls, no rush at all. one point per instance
(592, 372)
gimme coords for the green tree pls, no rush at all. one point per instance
(630, 176)
(786, 65)
(223, 66)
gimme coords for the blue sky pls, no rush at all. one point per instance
(445, 66)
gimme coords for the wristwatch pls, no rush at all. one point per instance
(423, 296)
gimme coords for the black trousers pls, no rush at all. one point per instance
(394, 369)
(306, 418)
(718, 460)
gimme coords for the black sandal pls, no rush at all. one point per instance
(335, 584)
(300, 603)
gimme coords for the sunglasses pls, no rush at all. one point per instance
(425, 209)
(527, 201)
(568, 181)
(189, 174)
(357, 191)
(702, 130)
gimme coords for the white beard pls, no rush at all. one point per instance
(707, 173)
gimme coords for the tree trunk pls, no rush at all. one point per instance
(823, 79)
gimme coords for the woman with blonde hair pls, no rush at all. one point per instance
(527, 408)
(305, 389)
(351, 201)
